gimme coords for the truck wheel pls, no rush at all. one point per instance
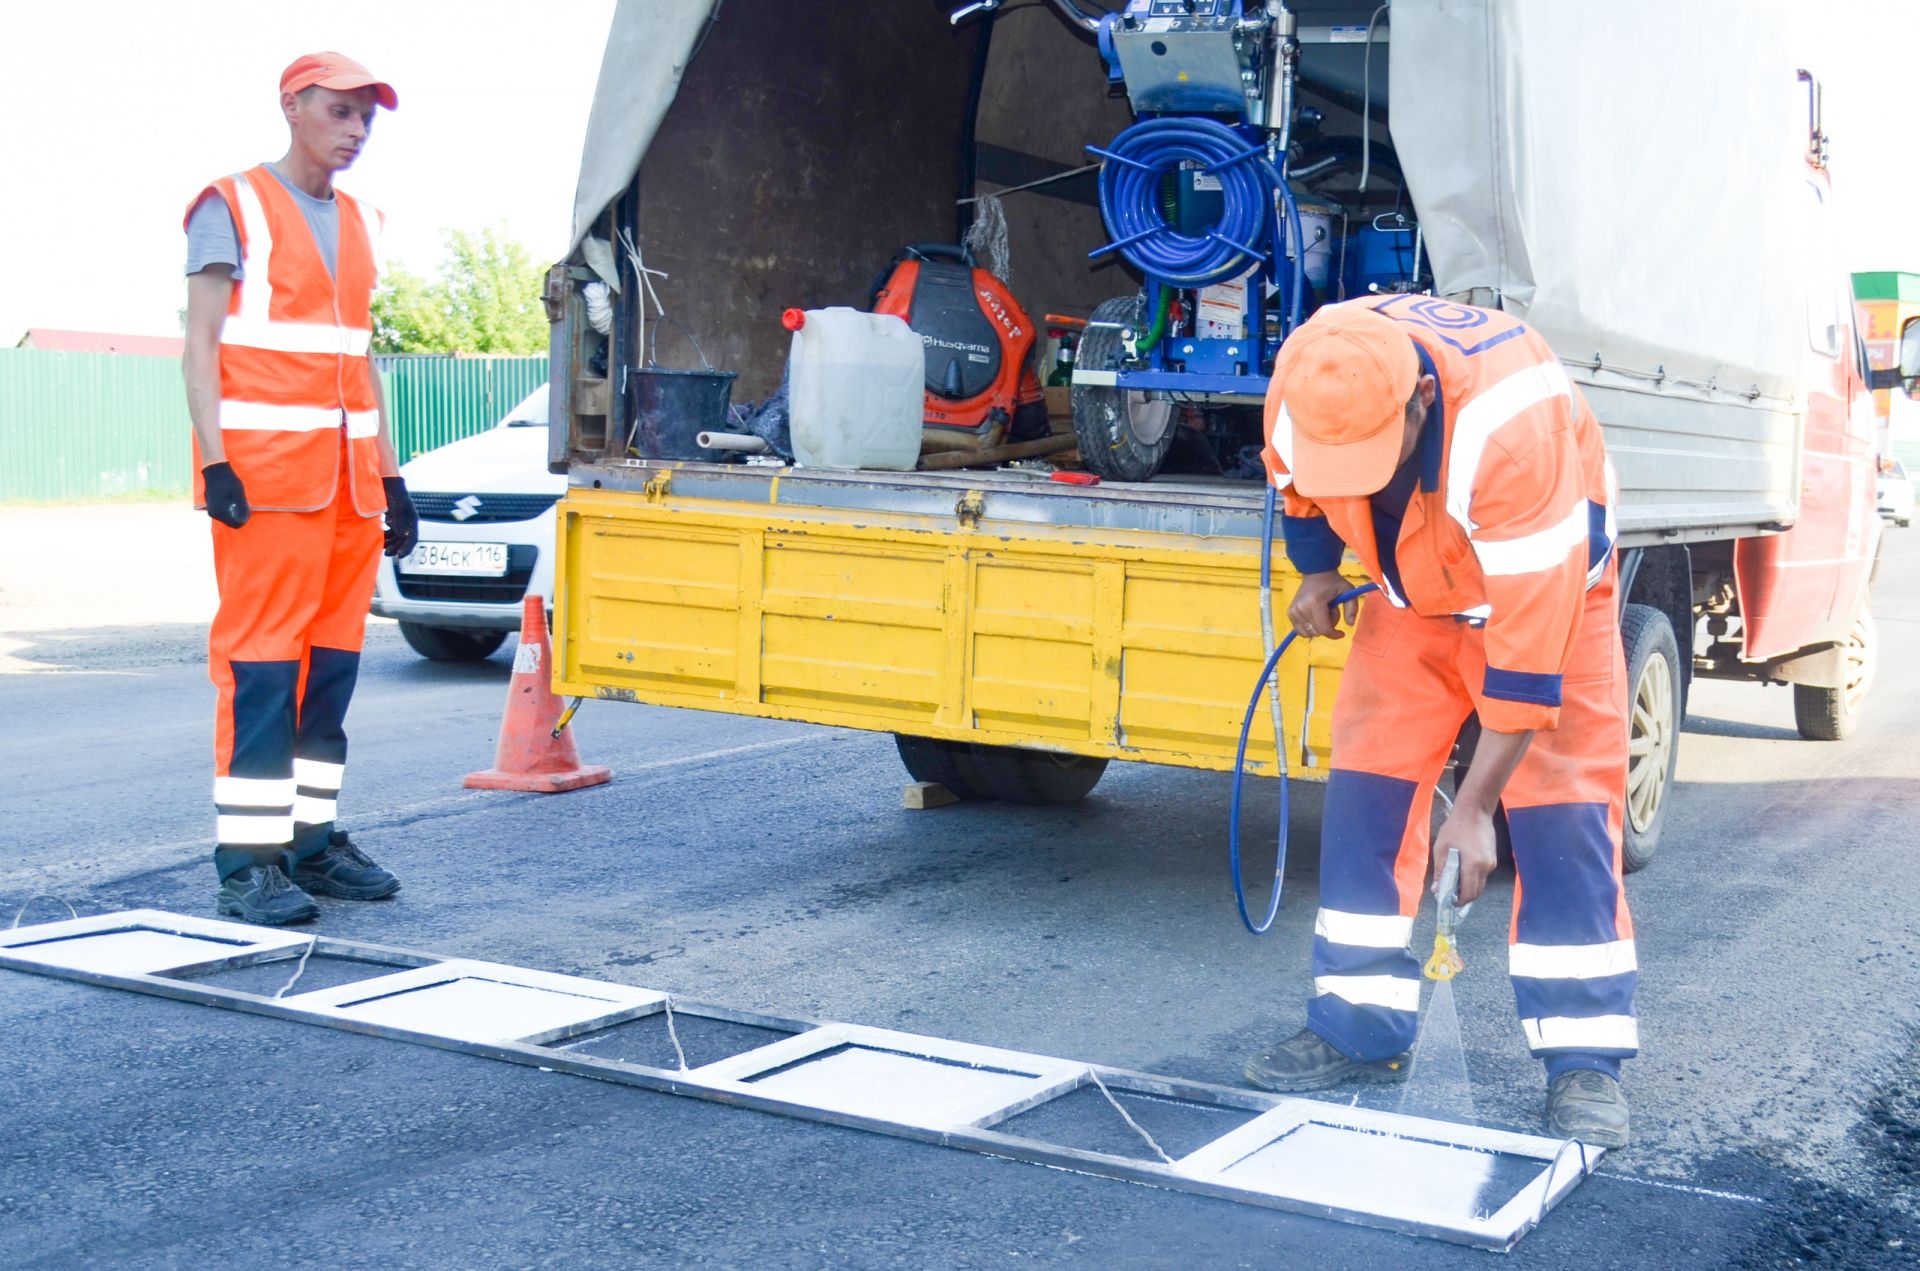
(1123, 436)
(931, 759)
(1008, 774)
(1653, 732)
(450, 644)
(1829, 714)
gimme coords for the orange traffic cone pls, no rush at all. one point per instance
(530, 756)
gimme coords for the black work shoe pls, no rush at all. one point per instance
(343, 871)
(262, 894)
(1306, 1062)
(1587, 1105)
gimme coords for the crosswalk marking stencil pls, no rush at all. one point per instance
(1461, 1183)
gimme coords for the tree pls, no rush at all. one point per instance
(485, 299)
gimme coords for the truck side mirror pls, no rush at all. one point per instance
(1910, 356)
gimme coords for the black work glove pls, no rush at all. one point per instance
(226, 497)
(403, 523)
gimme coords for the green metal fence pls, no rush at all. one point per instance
(103, 425)
(91, 425)
(435, 399)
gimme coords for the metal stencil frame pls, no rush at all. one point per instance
(593, 1005)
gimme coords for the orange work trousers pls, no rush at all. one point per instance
(1409, 684)
(283, 654)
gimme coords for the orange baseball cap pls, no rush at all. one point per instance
(1342, 381)
(337, 71)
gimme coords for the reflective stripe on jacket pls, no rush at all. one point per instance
(1511, 524)
(296, 380)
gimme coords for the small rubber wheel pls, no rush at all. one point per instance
(1007, 774)
(1653, 730)
(451, 644)
(1123, 436)
(1829, 714)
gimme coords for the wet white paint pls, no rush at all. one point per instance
(1413, 1179)
(906, 1088)
(137, 952)
(478, 1010)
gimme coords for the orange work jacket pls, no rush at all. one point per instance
(296, 381)
(1513, 516)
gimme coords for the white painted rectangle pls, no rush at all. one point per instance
(911, 1089)
(1413, 1179)
(138, 952)
(139, 942)
(476, 1001)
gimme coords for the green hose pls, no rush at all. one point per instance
(1159, 327)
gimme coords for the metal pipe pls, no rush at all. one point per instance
(743, 442)
(1072, 13)
(1286, 53)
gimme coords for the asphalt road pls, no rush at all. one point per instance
(1777, 1104)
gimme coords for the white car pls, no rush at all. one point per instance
(486, 538)
(1895, 492)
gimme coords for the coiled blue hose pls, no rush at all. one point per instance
(1279, 742)
(1247, 231)
(1130, 188)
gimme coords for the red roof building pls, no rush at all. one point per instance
(101, 342)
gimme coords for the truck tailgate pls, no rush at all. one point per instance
(969, 606)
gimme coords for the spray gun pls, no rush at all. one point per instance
(1446, 961)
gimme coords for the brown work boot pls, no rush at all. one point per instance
(1587, 1105)
(1306, 1062)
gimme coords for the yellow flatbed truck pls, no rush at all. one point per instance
(1017, 634)
(1076, 625)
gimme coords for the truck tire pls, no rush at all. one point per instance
(1653, 730)
(1829, 714)
(1122, 436)
(451, 644)
(1007, 774)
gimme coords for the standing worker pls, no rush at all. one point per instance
(296, 467)
(1446, 447)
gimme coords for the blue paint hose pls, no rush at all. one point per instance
(1279, 735)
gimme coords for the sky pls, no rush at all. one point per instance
(115, 113)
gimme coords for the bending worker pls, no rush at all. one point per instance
(296, 468)
(1444, 445)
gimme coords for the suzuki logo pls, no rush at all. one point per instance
(466, 507)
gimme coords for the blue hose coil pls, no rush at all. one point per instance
(1246, 726)
(1130, 200)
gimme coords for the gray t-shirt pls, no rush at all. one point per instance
(213, 240)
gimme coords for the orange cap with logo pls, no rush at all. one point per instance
(1341, 384)
(336, 71)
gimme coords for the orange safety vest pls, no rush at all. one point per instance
(296, 381)
(1513, 518)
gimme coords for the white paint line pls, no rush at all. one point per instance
(1736, 1197)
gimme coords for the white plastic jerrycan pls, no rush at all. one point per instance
(856, 389)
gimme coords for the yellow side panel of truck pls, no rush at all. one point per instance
(1134, 645)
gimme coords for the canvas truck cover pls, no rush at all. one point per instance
(1630, 178)
(649, 45)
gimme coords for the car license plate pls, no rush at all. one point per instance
(476, 560)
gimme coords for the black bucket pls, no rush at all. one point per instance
(672, 408)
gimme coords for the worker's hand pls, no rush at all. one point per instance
(226, 497)
(403, 523)
(1470, 832)
(1312, 612)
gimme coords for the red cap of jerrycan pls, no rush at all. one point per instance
(794, 319)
